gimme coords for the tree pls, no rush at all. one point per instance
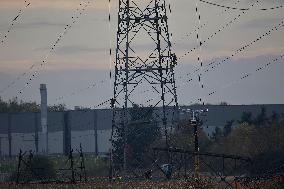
(255, 142)
(275, 117)
(268, 163)
(15, 106)
(3, 106)
(261, 118)
(142, 131)
(228, 128)
(217, 134)
(246, 118)
(57, 108)
(184, 137)
(224, 103)
(43, 168)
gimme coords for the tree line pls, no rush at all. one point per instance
(15, 105)
(260, 138)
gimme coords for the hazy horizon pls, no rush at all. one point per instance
(81, 57)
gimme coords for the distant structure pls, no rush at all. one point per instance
(150, 68)
(93, 128)
(43, 118)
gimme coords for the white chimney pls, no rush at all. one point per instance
(43, 109)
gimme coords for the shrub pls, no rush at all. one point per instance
(96, 167)
(42, 168)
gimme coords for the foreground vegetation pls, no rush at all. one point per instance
(260, 138)
(103, 183)
(50, 166)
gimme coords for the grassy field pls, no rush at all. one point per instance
(103, 183)
(97, 169)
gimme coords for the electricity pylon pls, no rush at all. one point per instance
(144, 61)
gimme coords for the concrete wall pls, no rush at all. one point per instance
(84, 125)
(3, 123)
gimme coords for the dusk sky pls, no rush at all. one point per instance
(81, 57)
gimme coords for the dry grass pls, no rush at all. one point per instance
(103, 183)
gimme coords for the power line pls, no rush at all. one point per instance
(200, 26)
(103, 103)
(214, 64)
(242, 78)
(75, 17)
(199, 39)
(228, 85)
(110, 50)
(110, 66)
(92, 85)
(246, 75)
(53, 47)
(110, 44)
(12, 24)
(240, 9)
(215, 33)
(78, 91)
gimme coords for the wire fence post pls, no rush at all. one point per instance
(36, 132)
(66, 134)
(72, 166)
(19, 166)
(10, 134)
(82, 165)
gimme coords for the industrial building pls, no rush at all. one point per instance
(92, 128)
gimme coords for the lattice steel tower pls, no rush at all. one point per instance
(144, 68)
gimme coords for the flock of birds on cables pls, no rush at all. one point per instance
(34, 70)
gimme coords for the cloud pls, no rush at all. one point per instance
(74, 49)
(39, 24)
(260, 23)
(34, 24)
(78, 49)
(270, 1)
(16, 65)
(55, 4)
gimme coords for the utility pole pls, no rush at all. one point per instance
(195, 122)
(66, 133)
(10, 133)
(36, 132)
(96, 133)
(151, 68)
(1, 146)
